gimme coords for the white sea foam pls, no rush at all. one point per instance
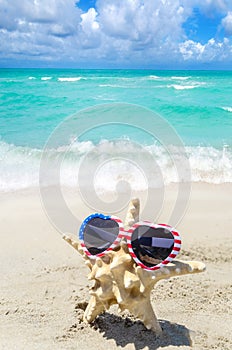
(167, 78)
(185, 87)
(228, 109)
(157, 78)
(46, 78)
(70, 79)
(110, 164)
(19, 167)
(180, 78)
(115, 86)
(153, 77)
(182, 87)
(32, 78)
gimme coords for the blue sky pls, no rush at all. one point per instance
(172, 34)
(202, 27)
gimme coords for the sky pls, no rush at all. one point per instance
(156, 34)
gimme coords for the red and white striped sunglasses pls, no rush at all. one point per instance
(152, 246)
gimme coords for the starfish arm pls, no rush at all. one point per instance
(178, 268)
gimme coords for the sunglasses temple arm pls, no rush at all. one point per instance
(178, 268)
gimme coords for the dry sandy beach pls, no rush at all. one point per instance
(44, 283)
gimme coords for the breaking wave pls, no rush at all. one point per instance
(19, 166)
(70, 79)
(185, 87)
(46, 78)
(227, 109)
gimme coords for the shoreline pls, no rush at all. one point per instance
(170, 185)
(200, 193)
(44, 280)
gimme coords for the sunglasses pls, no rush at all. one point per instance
(152, 246)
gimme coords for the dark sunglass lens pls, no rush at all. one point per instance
(99, 234)
(152, 245)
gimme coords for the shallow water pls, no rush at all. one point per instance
(197, 104)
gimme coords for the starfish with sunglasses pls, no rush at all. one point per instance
(126, 263)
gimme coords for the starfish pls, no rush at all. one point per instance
(118, 280)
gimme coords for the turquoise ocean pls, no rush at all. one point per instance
(33, 102)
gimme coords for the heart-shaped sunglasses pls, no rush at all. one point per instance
(152, 246)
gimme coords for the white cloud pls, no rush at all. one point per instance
(191, 49)
(37, 28)
(36, 11)
(213, 50)
(147, 22)
(89, 22)
(227, 23)
(120, 32)
(90, 35)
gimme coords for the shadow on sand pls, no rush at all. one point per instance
(125, 331)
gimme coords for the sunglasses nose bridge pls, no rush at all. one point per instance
(124, 233)
(124, 237)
